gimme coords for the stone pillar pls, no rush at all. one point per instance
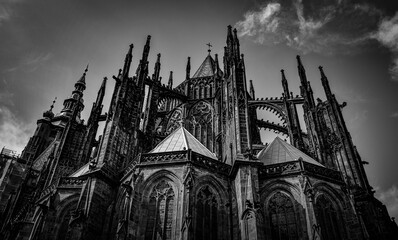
(248, 200)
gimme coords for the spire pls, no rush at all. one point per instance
(142, 70)
(325, 83)
(301, 71)
(252, 95)
(77, 96)
(285, 85)
(305, 87)
(145, 53)
(236, 45)
(170, 84)
(157, 69)
(217, 66)
(127, 61)
(101, 91)
(188, 70)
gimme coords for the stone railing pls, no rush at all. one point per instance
(322, 172)
(149, 158)
(185, 156)
(71, 182)
(280, 169)
(209, 163)
(299, 166)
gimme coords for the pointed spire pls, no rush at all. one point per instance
(101, 91)
(301, 71)
(252, 94)
(157, 69)
(82, 79)
(236, 45)
(127, 61)
(285, 85)
(188, 69)
(70, 102)
(325, 83)
(145, 53)
(170, 83)
(217, 70)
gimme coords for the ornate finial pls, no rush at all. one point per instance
(52, 105)
(85, 71)
(210, 46)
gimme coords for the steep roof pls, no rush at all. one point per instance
(180, 140)
(207, 69)
(280, 151)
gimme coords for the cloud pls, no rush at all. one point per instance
(263, 20)
(324, 26)
(14, 133)
(387, 34)
(31, 62)
(390, 198)
(394, 115)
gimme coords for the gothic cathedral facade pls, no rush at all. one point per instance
(188, 162)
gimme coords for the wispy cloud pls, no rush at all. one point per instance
(326, 27)
(31, 62)
(390, 198)
(14, 133)
(394, 115)
(387, 34)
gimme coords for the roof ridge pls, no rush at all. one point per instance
(184, 137)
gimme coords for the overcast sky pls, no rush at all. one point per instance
(45, 46)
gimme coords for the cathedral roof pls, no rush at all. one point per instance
(207, 69)
(180, 140)
(280, 151)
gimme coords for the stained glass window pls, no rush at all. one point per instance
(160, 212)
(206, 215)
(282, 217)
(327, 217)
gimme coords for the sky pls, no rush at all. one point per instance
(45, 46)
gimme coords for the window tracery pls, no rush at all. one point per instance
(282, 217)
(328, 219)
(161, 211)
(206, 215)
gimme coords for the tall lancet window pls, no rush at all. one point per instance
(328, 219)
(282, 216)
(206, 215)
(160, 212)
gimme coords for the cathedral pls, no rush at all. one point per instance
(187, 162)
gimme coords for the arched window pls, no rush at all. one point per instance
(206, 215)
(282, 217)
(160, 212)
(327, 217)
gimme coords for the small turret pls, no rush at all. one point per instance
(49, 113)
(157, 69)
(77, 96)
(252, 94)
(170, 83)
(188, 69)
(127, 61)
(285, 85)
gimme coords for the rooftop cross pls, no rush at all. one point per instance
(209, 45)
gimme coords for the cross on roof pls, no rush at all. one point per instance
(209, 45)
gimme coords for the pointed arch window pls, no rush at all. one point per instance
(161, 211)
(206, 215)
(282, 217)
(328, 219)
